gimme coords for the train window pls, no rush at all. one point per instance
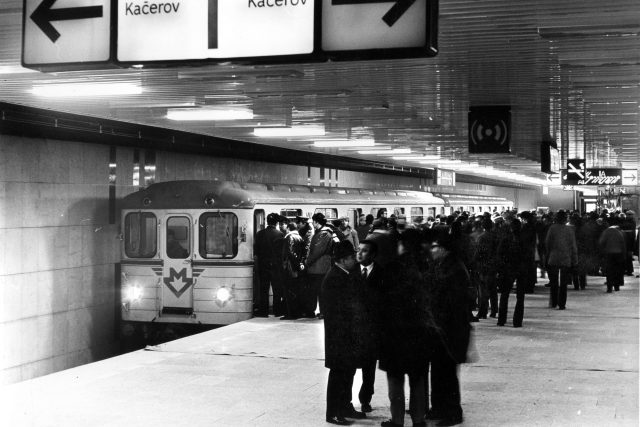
(431, 212)
(291, 213)
(442, 210)
(398, 211)
(178, 237)
(479, 208)
(417, 215)
(329, 213)
(218, 235)
(140, 239)
(379, 212)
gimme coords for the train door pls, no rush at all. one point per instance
(259, 223)
(177, 274)
(354, 217)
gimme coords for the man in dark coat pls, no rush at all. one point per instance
(268, 251)
(370, 285)
(317, 263)
(292, 258)
(448, 300)
(342, 343)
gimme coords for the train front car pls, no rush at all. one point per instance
(187, 255)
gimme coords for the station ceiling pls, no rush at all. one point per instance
(569, 70)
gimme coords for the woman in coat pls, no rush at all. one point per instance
(406, 329)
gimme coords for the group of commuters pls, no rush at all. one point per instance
(401, 296)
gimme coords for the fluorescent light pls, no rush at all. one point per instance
(393, 151)
(289, 131)
(186, 114)
(86, 89)
(345, 143)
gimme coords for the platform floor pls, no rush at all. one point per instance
(577, 367)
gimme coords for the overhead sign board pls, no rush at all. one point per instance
(164, 30)
(57, 32)
(69, 34)
(351, 27)
(592, 176)
(630, 177)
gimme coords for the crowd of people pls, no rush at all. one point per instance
(401, 296)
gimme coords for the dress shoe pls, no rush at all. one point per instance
(500, 323)
(609, 291)
(390, 424)
(517, 325)
(366, 407)
(450, 421)
(475, 319)
(433, 415)
(562, 308)
(338, 421)
(352, 413)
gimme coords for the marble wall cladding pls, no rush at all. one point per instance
(57, 256)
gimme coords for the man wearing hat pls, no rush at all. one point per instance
(342, 349)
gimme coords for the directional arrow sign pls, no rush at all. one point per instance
(44, 14)
(66, 32)
(379, 28)
(392, 16)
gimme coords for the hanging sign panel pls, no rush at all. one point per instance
(168, 30)
(58, 32)
(591, 176)
(70, 34)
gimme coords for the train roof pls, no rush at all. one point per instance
(195, 194)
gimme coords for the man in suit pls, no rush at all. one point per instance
(342, 348)
(268, 250)
(370, 285)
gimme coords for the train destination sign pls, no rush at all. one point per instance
(71, 34)
(592, 176)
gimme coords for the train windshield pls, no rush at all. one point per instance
(140, 240)
(218, 235)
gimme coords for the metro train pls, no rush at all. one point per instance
(187, 246)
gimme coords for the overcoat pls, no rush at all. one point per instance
(406, 343)
(449, 305)
(343, 314)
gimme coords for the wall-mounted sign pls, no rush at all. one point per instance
(69, 34)
(66, 32)
(592, 176)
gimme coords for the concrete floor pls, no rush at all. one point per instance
(577, 367)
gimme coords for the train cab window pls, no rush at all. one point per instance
(178, 237)
(140, 236)
(329, 213)
(218, 235)
(417, 215)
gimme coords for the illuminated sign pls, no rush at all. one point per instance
(592, 176)
(200, 29)
(66, 32)
(79, 34)
(445, 177)
(630, 177)
(350, 26)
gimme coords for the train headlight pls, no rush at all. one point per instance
(223, 295)
(132, 293)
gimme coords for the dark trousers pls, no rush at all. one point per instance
(614, 265)
(488, 293)
(558, 292)
(579, 280)
(416, 397)
(339, 391)
(313, 293)
(505, 281)
(270, 277)
(445, 388)
(529, 275)
(368, 381)
(292, 294)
